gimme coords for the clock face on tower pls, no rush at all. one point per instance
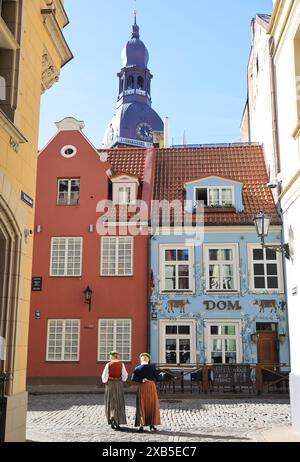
(144, 131)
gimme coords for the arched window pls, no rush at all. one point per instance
(130, 82)
(140, 83)
(121, 87)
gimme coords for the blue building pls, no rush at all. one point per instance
(217, 296)
(135, 121)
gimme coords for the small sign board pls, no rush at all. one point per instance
(27, 199)
(36, 284)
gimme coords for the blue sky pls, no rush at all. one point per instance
(198, 54)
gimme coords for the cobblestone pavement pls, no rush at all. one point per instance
(73, 418)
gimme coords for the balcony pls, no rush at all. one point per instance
(7, 40)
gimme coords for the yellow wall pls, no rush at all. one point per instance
(18, 169)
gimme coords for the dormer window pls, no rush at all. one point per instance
(125, 194)
(215, 196)
(125, 189)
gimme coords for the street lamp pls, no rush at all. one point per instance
(262, 223)
(88, 296)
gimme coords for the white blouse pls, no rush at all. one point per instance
(105, 375)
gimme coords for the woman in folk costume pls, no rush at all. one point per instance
(113, 376)
(147, 405)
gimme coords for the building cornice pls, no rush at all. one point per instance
(16, 136)
(213, 229)
(60, 11)
(56, 35)
(277, 17)
(278, 7)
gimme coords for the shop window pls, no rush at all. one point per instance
(223, 342)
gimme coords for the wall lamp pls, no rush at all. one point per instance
(262, 223)
(88, 296)
(282, 338)
(254, 338)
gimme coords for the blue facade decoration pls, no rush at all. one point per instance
(246, 310)
(134, 121)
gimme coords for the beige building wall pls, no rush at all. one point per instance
(33, 51)
(273, 115)
(257, 119)
(285, 28)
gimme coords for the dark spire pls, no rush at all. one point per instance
(135, 27)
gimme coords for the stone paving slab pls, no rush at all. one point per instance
(81, 418)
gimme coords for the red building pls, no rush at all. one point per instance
(69, 337)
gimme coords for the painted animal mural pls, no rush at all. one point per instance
(180, 304)
(263, 304)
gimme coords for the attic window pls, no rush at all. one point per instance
(124, 193)
(214, 197)
(68, 151)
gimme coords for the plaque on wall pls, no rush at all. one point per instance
(36, 285)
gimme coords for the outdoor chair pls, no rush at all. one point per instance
(167, 382)
(197, 381)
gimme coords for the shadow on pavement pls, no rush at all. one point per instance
(185, 435)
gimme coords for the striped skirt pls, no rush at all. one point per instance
(115, 402)
(147, 405)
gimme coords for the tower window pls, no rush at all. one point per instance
(140, 83)
(130, 82)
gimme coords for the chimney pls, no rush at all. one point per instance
(167, 132)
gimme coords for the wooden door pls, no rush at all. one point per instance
(267, 350)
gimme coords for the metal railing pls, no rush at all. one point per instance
(213, 378)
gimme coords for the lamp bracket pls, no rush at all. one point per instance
(282, 248)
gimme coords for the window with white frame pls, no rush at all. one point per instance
(124, 193)
(68, 192)
(117, 256)
(66, 256)
(265, 269)
(221, 267)
(177, 342)
(223, 342)
(114, 334)
(63, 340)
(215, 196)
(177, 268)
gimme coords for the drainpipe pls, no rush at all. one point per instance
(275, 118)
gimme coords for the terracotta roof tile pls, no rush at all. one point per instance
(177, 166)
(127, 160)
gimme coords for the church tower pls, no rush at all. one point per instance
(134, 121)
